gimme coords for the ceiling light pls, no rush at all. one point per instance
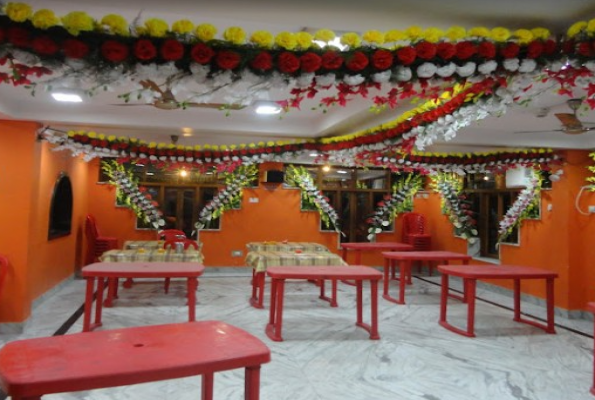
(67, 95)
(336, 42)
(313, 154)
(326, 168)
(267, 107)
(183, 173)
(341, 171)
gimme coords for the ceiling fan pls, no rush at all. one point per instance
(165, 100)
(571, 125)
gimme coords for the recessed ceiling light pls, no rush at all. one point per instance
(341, 171)
(267, 107)
(67, 96)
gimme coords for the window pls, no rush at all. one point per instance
(354, 194)
(61, 208)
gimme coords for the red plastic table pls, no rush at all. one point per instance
(114, 270)
(32, 368)
(372, 246)
(591, 308)
(471, 273)
(405, 262)
(358, 273)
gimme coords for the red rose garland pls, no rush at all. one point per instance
(263, 61)
(357, 62)
(465, 50)
(75, 49)
(145, 50)
(446, 50)
(227, 59)
(288, 62)
(406, 55)
(18, 36)
(172, 50)
(201, 53)
(310, 62)
(114, 51)
(382, 59)
(331, 60)
(425, 50)
(44, 45)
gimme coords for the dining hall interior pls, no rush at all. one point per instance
(442, 152)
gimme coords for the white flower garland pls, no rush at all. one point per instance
(523, 204)
(236, 181)
(302, 179)
(387, 208)
(131, 193)
(459, 213)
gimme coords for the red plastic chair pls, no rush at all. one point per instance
(414, 231)
(171, 244)
(96, 244)
(3, 270)
(169, 234)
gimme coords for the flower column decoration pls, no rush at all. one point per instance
(300, 177)
(227, 197)
(133, 195)
(523, 206)
(393, 204)
(455, 205)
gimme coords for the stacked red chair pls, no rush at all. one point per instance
(414, 232)
(96, 244)
(170, 234)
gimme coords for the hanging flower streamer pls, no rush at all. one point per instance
(163, 155)
(227, 197)
(393, 204)
(136, 197)
(525, 203)
(455, 205)
(300, 177)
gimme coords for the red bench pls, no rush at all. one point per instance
(32, 368)
(471, 273)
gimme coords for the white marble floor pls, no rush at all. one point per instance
(326, 357)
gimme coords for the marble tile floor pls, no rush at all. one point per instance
(326, 357)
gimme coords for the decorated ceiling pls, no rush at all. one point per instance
(456, 75)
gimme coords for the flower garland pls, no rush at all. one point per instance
(591, 179)
(300, 177)
(393, 204)
(106, 53)
(523, 206)
(134, 196)
(227, 197)
(464, 163)
(91, 145)
(456, 206)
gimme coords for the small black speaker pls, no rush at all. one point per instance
(274, 176)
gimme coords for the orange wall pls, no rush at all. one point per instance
(560, 241)
(29, 171)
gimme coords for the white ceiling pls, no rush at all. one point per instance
(208, 126)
